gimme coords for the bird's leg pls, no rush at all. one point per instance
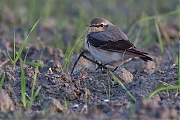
(84, 56)
(80, 55)
(115, 69)
(100, 66)
(90, 59)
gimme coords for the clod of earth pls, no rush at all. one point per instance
(6, 104)
(51, 106)
(124, 75)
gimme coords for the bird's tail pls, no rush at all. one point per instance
(146, 58)
(143, 55)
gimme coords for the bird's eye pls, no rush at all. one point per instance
(101, 25)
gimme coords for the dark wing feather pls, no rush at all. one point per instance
(117, 46)
(114, 46)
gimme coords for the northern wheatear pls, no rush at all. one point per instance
(110, 45)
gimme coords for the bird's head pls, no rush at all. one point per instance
(98, 25)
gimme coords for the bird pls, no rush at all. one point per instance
(110, 46)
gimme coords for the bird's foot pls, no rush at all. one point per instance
(101, 66)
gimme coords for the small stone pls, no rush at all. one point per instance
(6, 104)
(124, 75)
(104, 107)
(66, 84)
(55, 65)
(71, 94)
(106, 100)
(149, 67)
(66, 78)
(75, 106)
(49, 71)
(29, 71)
(52, 105)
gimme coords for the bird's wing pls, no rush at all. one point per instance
(116, 46)
(110, 39)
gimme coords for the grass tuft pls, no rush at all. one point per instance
(23, 86)
(25, 41)
(18, 55)
(34, 93)
(68, 55)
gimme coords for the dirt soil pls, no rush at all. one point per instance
(89, 94)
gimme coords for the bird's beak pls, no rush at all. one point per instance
(89, 25)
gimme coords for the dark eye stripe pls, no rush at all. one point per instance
(101, 25)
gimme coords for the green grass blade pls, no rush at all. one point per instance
(119, 82)
(132, 28)
(26, 55)
(35, 76)
(37, 92)
(14, 45)
(65, 106)
(159, 37)
(177, 11)
(33, 95)
(24, 42)
(23, 86)
(65, 62)
(2, 80)
(34, 81)
(9, 57)
(161, 89)
(35, 64)
(137, 37)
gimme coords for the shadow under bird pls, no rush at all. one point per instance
(109, 45)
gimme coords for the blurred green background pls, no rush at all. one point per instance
(63, 21)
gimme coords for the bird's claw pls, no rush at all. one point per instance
(101, 66)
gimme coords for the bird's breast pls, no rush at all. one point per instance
(102, 55)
